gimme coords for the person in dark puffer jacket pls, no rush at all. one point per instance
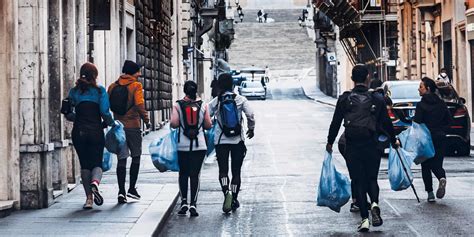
(433, 112)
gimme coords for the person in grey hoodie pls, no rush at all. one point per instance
(230, 142)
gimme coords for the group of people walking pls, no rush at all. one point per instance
(91, 105)
(367, 130)
(90, 111)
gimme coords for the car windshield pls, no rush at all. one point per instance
(448, 94)
(404, 91)
(252, 85)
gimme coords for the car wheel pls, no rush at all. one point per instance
(463, 149)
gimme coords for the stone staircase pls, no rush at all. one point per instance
(282, 45)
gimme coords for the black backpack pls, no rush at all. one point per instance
(190, 111)
(119, 99)
(359, 116)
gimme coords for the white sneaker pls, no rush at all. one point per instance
(364, 225)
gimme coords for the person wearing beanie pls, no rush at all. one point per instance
(191, 143)
(127, 92)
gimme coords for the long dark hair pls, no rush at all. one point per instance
(190, 89)
(88, 77)
(429, 84)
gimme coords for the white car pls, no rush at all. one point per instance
(253, 89)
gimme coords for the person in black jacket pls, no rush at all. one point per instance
(433, 112)
(364, 113)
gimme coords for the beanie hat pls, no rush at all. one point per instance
(130, 67)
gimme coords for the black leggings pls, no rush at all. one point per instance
(237, 154)
(190, 163)
(89, 145)
(364, 162)
(435, 164)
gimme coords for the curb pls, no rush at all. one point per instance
(313, 99)
(166, 215)
(152, 221)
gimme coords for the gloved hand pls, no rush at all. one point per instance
(329, 148)
(148, 125)
(250, 133)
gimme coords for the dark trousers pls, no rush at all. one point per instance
(237, 154)
(363, 160)
(434, 164)
(89, 145)
(190, 163)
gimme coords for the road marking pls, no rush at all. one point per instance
(393, 208)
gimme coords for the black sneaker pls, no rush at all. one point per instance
(193, 211)
(121, 198)
(354, 207)
(132, 193)
(98, 199)
(235, 204)
(183, 210)
(376, 218)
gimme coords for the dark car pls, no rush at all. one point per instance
(402, 97)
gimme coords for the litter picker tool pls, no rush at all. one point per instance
(406, 173)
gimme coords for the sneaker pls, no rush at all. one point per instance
(88, 204)
(193, 211)
(98, 199)
(132, 193)
(235, 204)
(183, 210)
(376, 218)
(121, 198)
(227, 206)
(354, 207)
(441, 188)
(431, 197)
(364, 225)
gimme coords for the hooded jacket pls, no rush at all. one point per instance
(136, 102)
(433, 112)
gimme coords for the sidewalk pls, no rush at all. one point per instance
(66, 217)
(312, 92)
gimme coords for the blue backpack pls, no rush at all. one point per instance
(230, 123)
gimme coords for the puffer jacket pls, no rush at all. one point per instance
(433, 112)
(136, 102)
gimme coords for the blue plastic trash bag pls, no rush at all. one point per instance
(396, 174)
(115, 139)
(107, 160)
(334, 188)
(164, 152)
(417, 139)
(210, 139)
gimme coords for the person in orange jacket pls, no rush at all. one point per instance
(128, 105)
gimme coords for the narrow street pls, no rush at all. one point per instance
(280, 177)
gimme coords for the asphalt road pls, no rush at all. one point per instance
(280, 177)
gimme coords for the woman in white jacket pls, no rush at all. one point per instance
(191, 116)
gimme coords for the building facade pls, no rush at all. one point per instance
(43, 44)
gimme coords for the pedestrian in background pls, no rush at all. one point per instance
(443, 76)
(433, 112)
(362, 112)
(91, 106)
(375, 82)
(267, 74)
(128, 105)
(265, 16)
(229, 138)
(259, 15)
(191, 147)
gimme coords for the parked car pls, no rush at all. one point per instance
(402, 97)
(253, 89)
